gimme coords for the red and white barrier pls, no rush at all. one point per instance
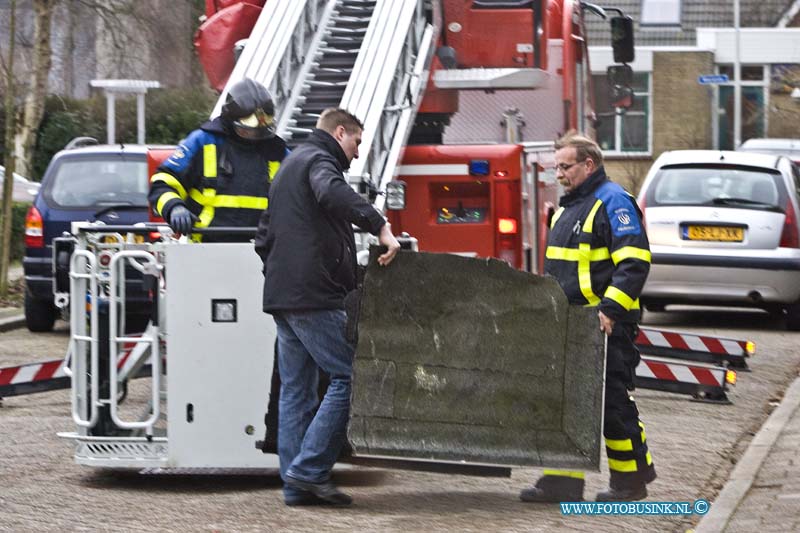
(35, 372)
(693, 347)
(702, 381)
(47, 375)
(714, 377)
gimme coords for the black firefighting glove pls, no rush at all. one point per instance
(181, 219)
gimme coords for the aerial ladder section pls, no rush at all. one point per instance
(371, 57)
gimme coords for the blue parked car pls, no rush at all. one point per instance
(84, 182)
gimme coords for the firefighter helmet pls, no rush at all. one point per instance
(250, 111)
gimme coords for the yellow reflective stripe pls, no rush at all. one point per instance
(170, 180)
(163, 199)
(585, 275)
(571, 254)
(210, 160)
(227, 200)
(245, 202)
(648, 458)
(630, 252)
(620, 445)
(273, 167)
(623, 466)
(206, 199)
(563, 473)
(644, 437)
(555, 217)
(620, 297)
(589, 224)
(585, 260)
(635, 304)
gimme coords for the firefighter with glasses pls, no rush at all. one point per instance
(599, 253)
(219, 176)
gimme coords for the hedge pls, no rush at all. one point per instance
(18, 212)
(170, 114)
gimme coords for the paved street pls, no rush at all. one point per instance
(695, 447)
(763, 492)
(773, 502)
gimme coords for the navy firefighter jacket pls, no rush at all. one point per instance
(598, 249)
(222, 180)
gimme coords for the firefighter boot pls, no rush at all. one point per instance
(626, 494)
(553, 488)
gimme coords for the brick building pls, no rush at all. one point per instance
(677, 42)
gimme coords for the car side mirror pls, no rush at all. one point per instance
(620, 78)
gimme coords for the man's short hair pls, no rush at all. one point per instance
(585, 148)
(334, 117)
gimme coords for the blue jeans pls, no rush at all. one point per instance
(309, 444)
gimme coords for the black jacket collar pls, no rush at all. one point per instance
(215, 126)
(325, 140)
(586, 188)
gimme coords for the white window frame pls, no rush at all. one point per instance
(617, 151)
(764, 83)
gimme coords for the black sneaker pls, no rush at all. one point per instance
(325, 491)
(630, 494)
(302, 499)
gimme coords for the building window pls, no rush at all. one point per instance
(753, 105)
(660, 13)
(629, 132)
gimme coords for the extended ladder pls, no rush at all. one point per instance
(371, 57)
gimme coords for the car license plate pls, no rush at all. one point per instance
(715, 233)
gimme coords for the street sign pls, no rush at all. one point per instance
(712, 79)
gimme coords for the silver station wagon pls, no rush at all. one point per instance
(723, 230)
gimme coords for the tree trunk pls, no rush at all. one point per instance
(37, 91)
(8, 180)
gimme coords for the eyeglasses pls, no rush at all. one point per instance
(564, 167)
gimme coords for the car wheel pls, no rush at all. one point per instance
(793, 317)
(40, 315)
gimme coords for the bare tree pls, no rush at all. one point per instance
(8, 180)
(121, 27)
(33, 109)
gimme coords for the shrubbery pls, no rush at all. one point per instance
(170, 114)
(18, 212)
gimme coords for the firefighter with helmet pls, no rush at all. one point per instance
(598, 252)
(220, 174)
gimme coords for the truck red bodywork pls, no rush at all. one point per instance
(511, 204)
(227, 21)
(458, 211)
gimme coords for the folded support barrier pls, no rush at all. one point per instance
(732, 353)
(704, 382)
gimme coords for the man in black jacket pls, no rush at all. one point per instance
(598, 252)
(306, 241)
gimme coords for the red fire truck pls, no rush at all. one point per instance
(460, 147)
(506, 78)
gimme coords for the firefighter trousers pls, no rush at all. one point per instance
(629, 460)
